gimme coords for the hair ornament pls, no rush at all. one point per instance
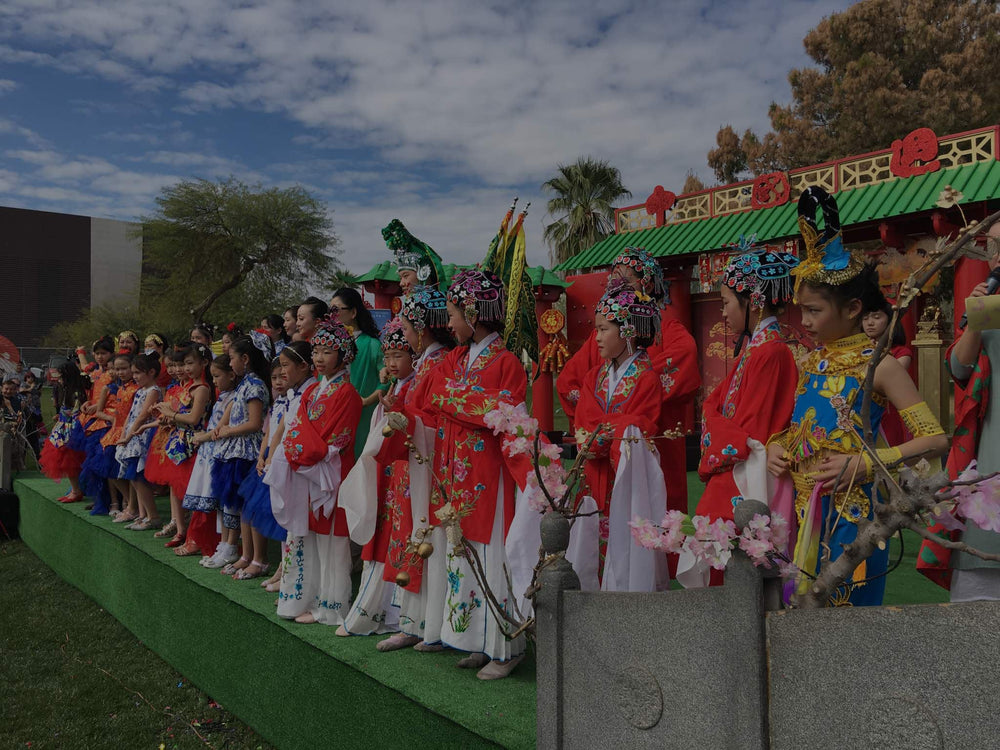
(633, 311)
(480, 295)
(648, 270)
(393, 337)
(412, 254)
(332, 333)
(826, 259)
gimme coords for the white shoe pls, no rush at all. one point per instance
(225, 554)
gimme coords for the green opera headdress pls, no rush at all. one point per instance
(413, 254)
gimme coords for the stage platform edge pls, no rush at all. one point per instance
(299, 686)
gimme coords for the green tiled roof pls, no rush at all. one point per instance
(386, 271)
(977, 182)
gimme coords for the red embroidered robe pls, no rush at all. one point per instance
(328, 415)
(637, 400)
(755, 400)
(675, 359)
(393, 483)
(468, 461)
(402, 519)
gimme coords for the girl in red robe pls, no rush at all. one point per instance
(424, 321)
(472, 484)
(305, 476)
(621, 402)
(372, 496)
(674, 357)
(754, 401)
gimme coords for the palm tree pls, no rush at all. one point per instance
(582, 206)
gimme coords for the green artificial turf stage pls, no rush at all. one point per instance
(299, 686)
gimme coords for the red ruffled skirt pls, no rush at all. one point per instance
(59, 463)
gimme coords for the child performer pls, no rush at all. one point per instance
(179, 420)
(424, 321)
(94, 428)
(675, 357)
(621, 401)
(753, 402)
(740, 415)
(239, 437)
(372, 495)
(136, 435)
(296, 364)
(824, 441)
(471, 478)
(257, 495)
(305, 476)
(202, 537)
(157, 463)
(114, 406)
(874, 322)
(59, 458)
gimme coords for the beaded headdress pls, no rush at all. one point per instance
(332, 333)
(765, 275)
(125, 335)
(394, 338)
(635, 312)
(648, 270)
(412, 254)
(155, 338)
(480, 295)
(425, 307)
(826, 259)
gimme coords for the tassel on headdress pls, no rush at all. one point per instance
(332, 333)
(649, 272)
(425, 307)
(764, 275)
(479, 294)
(826, 259)
(393, 337)
(635, 312)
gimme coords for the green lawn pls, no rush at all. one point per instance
(74, 677)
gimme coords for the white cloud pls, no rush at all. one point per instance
(439, 96)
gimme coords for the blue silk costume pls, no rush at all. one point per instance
(827, 419)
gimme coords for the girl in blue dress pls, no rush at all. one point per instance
(822, 450)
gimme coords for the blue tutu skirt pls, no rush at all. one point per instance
(94, 483)
(77, 437)
(257, 507)
(227, 476)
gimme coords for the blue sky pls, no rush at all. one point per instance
(434, 112)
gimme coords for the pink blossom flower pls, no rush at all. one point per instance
(757, 550)
(779, 531)
(645, 533)
(459, 470)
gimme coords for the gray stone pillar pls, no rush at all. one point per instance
(554, 578)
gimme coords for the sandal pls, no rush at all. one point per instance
(177, 541)
(125, 517)
(231, 569)
(262, 569)
(71, 497)
(188, 551)
(146, 524)
(168, 530)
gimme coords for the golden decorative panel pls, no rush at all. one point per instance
(824, 177)
(634, 219)
(730, 200)
(967, 149)
(868, 170)
(690, 207)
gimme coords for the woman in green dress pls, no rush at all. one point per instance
(364, 370)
